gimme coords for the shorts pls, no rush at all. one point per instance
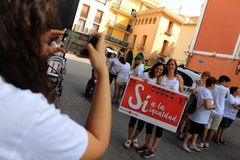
(214, 121)
(121, 83)
(226, 122)
(196, 128)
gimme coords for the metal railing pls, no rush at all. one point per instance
(122, 27)
(117, 41)
(125, 10)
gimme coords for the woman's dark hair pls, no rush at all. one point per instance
(152, 70)
(175, 62)
(129, 57)
(210, 81)
(233, 90)
(122, 60)
(205, 74)
(109, 54)
(22, 25)
(223, 78)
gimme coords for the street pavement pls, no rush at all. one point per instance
(73, 103)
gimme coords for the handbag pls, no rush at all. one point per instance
(192, 104)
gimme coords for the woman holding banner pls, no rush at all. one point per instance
(170, 80)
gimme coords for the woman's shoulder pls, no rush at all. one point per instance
(179, 77)
(23, 98)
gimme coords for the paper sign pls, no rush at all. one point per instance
(153, 104)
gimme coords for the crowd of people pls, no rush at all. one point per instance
(210, 110)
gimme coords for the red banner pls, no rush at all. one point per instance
(153, 104)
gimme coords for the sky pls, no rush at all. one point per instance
(189, 7)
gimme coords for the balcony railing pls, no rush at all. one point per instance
(125, 10)
(122, 27)
(117, 41)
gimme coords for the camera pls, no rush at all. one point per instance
(76, 42)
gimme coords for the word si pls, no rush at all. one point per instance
(140, 103)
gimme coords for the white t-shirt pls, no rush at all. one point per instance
(123, 72)
(56, 45)
(229, 110)
(172, 84)
(201, 115)
(31, 128)
(113, 64)
(138, 71)
(150, 80)
(219, 94)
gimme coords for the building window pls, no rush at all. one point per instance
(95, 28)
(139, 20)
(146, 20)
(113, 19)
(154, 20)
(85, 10)
(164, 47)
(109, 32)
(142, 21)
(118, 4)
(150, 21)
(102, 1)
(125, 37)
(81, 25)
(134, 40)
(98, 17)
(169, 29)
(144, 39)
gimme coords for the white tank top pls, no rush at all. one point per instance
(170, 84)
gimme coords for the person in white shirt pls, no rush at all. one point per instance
(113, 66)
(138, 67)
(137, 71)
(200, 117)
(147, 149)
(171, 80)
(122, 78)
(57, 43)
(219, 94)
(232, 105)
(195, 88)
(31, 126)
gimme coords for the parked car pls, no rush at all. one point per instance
(189, 77)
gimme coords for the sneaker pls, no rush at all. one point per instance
(206, 145)
(200, 145)
(148, 154)
(142, 149)
(180, 136)
(185, 147)
(135, 143)
(217, 142)
(222, 142)
(127, 144)
(195, 148)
